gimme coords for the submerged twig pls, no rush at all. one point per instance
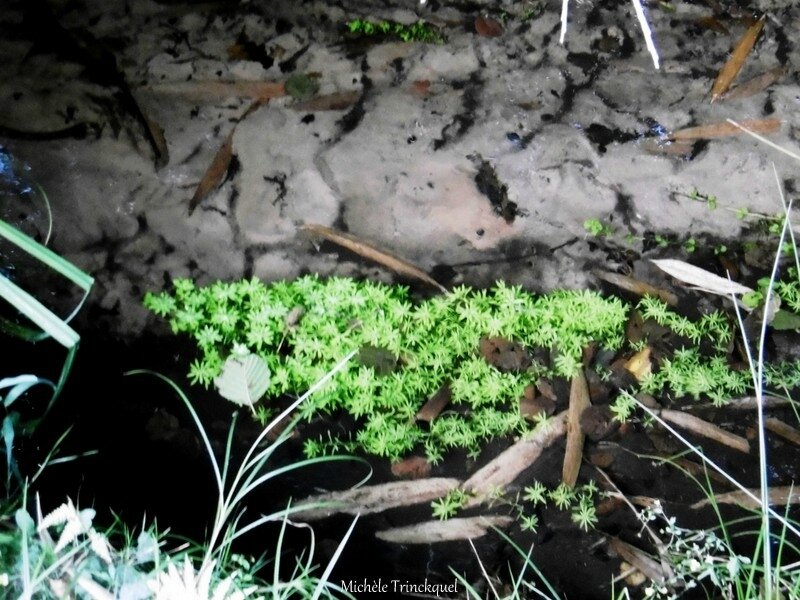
(778, 496)
(704, 428)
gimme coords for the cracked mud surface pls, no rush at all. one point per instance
(477, 159)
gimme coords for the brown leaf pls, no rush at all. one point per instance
(779, 496)
(573, 455)
(431, 532)
(367, 250)
(704, 428)
(488, 27)
(219, 165)
(435, 405)
(505, 468)
(636, 286)
(736, 60)
(639, 559)
(725, 129)
(639, 364)
(682, 148)
(217, 91)
(157, 141)
(713, 23)
(504, 355)
(598, 422)
(782, 429)
(531, 406)
(755, 85)
(335, 101)
(370, 499)
(215, 173)
(421, 87)
(413, 467)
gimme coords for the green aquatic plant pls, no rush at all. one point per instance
(407, 352)
(416, 32)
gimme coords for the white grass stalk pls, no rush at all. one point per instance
(648, 34)
(757, 371)
(716, 467)
(564, 16)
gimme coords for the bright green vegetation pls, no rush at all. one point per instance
(579, 502)
(407, 352)
(418, 32)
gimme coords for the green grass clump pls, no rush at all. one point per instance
(433, 343)
(418, 32)
(408, 351)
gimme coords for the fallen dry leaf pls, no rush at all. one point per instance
(488, 27)
(704, 428)
(217, 91)
(215, 173)
(431, 532)
(532, 406)
(504, 355)
(783, 429)
(421, 87)
(639, 559)
(734, 64)
(435, 405)
(639, 364)
(335, 101)
(413, 467)
(505, 468)
(376, 498)
(778, 496)
(636, 286)
(573, 455)
(367, 250)
(700, 278)
(725, 129)
(219, 165)
(755, 85)
(158, 142)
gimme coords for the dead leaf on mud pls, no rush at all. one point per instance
(504, 355)
(778, 496)
(413, 467)
(713, 23)
(737, 59)
(431, 532)
(335, 101)
(532, 406)
(639, 364)
(668, 147)
(573, 455)
(782, 429)
(505, 468)
(700, 279)
(645, 563)
(368, 251)
(157, 140)
(488, 27)
(435, 405)
(376, 498)
(636, 286)
(215, 173)
(704, 428)
(598, 423)
(725, 129)
(421, 87)
(218, 168)
(753, 86)
(209, 91)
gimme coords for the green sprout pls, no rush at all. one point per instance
(417, 32)
(597, 228)
(449, 505)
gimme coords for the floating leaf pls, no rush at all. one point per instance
(244, 379)
(700, 278)
(736, 60)
(301, 87)
(215, 173)
(785, 319)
